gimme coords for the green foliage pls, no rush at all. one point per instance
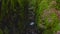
(9, 10)
(40, 7)
(1, 31)
(49, 27)
(57, 5)
(10, 7)
(6, 30)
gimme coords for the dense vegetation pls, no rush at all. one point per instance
(16, 16)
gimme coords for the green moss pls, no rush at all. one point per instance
(1, 31)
